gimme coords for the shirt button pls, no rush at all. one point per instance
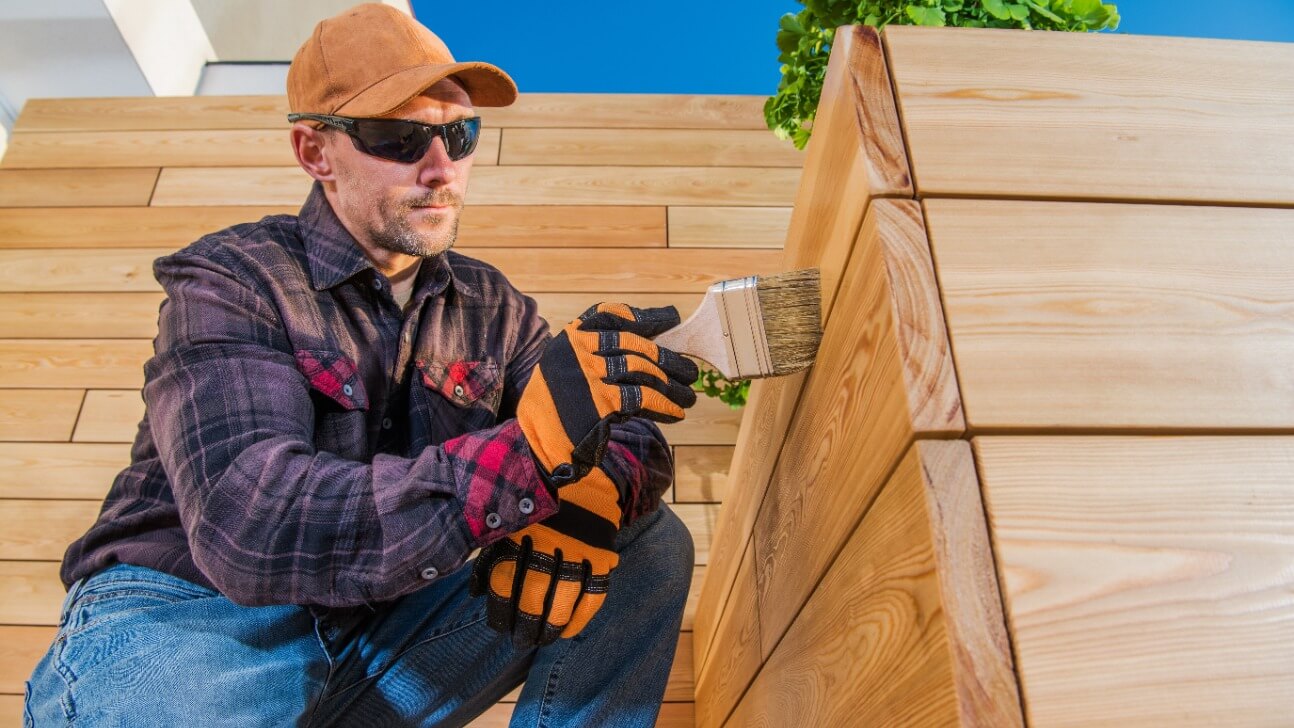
(430, 573)
(347, 389)
(386, 423)
(527, 506)
(377, 283)
(458, 390)
(493, 521)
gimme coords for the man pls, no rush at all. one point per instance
(339, 410)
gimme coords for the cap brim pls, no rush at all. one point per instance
(487, 85)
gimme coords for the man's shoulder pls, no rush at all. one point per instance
(247, 243)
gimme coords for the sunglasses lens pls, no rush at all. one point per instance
(406, 142)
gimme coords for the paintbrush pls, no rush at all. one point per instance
(753, 327)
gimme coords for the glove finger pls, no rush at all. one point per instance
(500, 607)
(593, 593)
(477, 583)
(642, 375)
(651, 404)
(646, 322)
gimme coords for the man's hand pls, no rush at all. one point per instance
(549, 579)
(601, 368)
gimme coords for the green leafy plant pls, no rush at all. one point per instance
(804, 39)
(714, 384)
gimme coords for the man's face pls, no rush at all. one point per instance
(405, 208)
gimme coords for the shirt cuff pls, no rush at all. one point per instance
(497, 482)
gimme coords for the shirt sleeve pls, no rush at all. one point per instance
(271, 520)
(638, 458)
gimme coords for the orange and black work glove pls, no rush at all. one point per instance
(549, 579)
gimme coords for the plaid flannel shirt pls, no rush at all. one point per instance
(307, 442)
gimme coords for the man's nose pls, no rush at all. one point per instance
(436, 169)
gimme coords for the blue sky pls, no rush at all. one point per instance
(727, 47)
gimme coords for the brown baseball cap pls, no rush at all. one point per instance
(369, 60)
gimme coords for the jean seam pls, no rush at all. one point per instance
(69, 678)
(550, 685)
(332, 665)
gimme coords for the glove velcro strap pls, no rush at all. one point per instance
(583, 525)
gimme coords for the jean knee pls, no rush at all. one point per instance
(672, 548)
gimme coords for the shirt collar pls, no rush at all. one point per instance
(335, 256)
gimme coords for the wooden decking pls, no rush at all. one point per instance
(577, 198)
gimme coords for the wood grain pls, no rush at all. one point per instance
(80, 315)
(1114, 316)
(664, 111)
(33, 593)
(508, 184)
(38, 415)
(104, 413)
(728, 227)
(121, 227)
(21, 647)
(846, 166)
(42, 529)
(874, 646)
(649, 147)
(672, 715)
(701, 473)
(1148, 580)
(80, 363)
(76, 187)
(36, 470)
(173, 148)
(736, 654)
(1095, 115)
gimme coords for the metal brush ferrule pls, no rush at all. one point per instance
(743, 327)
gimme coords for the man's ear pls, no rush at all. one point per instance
(308, 143)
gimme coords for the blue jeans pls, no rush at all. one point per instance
(137, 647)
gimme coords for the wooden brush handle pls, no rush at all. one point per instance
(702, 336)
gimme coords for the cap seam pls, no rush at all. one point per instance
(323, 58)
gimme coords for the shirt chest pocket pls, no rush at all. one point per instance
(463, 395)
(340, 401)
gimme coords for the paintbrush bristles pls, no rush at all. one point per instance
(791, 306)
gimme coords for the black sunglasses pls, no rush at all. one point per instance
(401, 140)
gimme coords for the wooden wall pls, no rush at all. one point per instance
(577, 198)
(1040, 473)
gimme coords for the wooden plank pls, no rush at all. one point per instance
(33, 592)
(576, 226)
(120, 227)
(997, 112)
(847, 165)
(505, 185)
(76, 187)
(79, 270)
(529, 269)
(893, 350)
(20, 649)
(728, 227)
(708, 422)
(693, 593)
(42, 529)
(11, 711)
(1113, 316)
(80, 315)
(735, 656)
(879, 642)
(172, 148)
(34, 470)
(701, 473)
(566, 226)
(83, 363)
(104, 413)
(38, 415)
(672, 111)
(1148, 580)
(672, 715)
(649, 147)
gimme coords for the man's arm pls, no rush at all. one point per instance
(637, 454)
(269, 519)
